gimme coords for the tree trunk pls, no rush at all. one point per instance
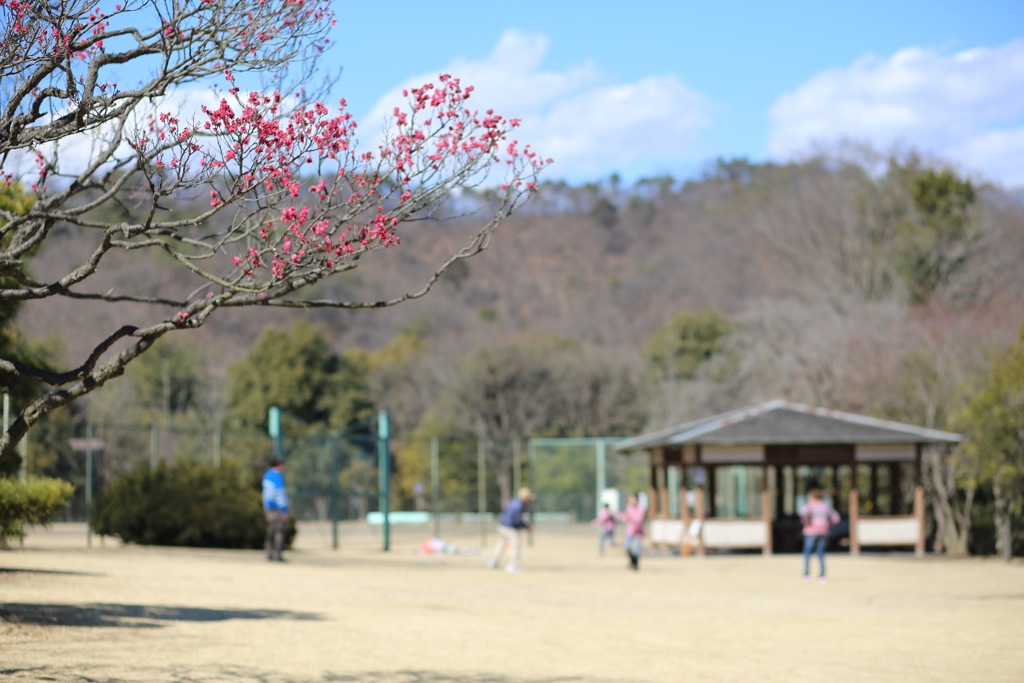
(1004, 527)
(500, 458)
(952, 513)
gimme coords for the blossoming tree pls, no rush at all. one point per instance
(290, 197)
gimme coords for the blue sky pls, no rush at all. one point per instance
(648, 87)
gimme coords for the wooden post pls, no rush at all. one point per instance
(874, 489)
(663, 488)
(766, 513)
(657, 457)
(919, 516)
(854, 514)
(895, 489)
(699, 511)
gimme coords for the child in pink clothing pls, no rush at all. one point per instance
(633, 517)
(606, 523)
(818, 517)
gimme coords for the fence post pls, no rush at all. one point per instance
(154, 445)
(88, 485)
(384, 472)
(602, 482)
(335, 488)
(517, 465)
(435, 484)
(531, 463)
(481, 493)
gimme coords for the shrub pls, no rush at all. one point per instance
(30, 502)
(184, 504)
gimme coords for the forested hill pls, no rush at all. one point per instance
(813, 262)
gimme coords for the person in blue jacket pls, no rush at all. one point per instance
(275, 505)
(510, 528)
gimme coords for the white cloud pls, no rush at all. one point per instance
(966, 107)
(590, 127)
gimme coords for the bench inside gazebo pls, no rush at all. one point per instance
(737, 480)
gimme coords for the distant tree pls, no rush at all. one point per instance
(502, 394)
(937, 238)
(295, 370)
(169, 381)
(595, 395)
(641, 212)
(535, 386)
(319, 393)
(842, 230)
(930, 388)
(292, 197)
(605, 213)
(677, 350)
(994, 424)
(398, 378)
(688, 340)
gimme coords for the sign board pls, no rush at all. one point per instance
(274, 421)
(87, 444)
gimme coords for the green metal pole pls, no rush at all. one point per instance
(530, 457)
(435, 485)
(335, 486)
(602, 462)
(384, 472)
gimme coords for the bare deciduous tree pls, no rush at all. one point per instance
(292, 196)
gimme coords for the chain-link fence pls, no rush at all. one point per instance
(358, 472)
(460, 480)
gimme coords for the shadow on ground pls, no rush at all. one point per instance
(228, 674)
(4, 570)
(436, 677)
(131, 616)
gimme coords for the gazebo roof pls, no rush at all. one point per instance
(782, 422)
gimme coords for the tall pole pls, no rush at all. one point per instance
(531, 453)
(154, 445)
(23, 450)
(274, 430)
(481, 489)
(602, 458)
(384, 474)
(335, 486)
(517, 465)
(216, 447)
(88, 484)
(435, 485)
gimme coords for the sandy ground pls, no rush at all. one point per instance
(113, 613)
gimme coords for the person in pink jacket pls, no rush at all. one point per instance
(633, 518)
(606, 522)
(817, 517)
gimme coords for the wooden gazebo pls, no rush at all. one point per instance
(737, 480)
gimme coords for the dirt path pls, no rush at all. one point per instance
(115, 613)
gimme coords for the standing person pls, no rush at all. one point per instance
(817, 517)
(275, 505)
(606, 524)
(510, 528)
(633, 517)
